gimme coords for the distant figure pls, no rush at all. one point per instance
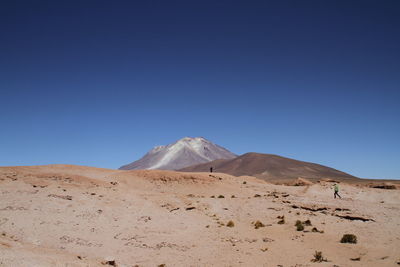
(211, 169)
(336, 187)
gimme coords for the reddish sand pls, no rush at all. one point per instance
(64, 215)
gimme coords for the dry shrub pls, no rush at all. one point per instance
(230, 224)
(318, 257)
(349, 238)
(299, 225)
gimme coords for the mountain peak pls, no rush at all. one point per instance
(183, 153)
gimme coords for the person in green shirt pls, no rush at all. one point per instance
(336, 187)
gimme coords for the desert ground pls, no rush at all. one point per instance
(65, 215)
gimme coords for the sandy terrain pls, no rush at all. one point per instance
(62, 215)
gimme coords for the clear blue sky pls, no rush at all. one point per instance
(99, 83)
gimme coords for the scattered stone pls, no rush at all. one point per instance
(315, 230)
(174, 209)
(258, 224)
(309, 208)
(59, 196)
(282, 219)
(384, 186)
(109, 261)
(354, 218)
(342, 209)
(266, 239)
(264, 249)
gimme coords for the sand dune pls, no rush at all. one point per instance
(65, 215)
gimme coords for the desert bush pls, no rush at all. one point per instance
(307, 223)
(221, 196)
(349, 238)
(230, 224)
(244, 182)
(257, 195)
(233, 196)
(258, 224)
(318, 257)
(299, 225)
(282, 219)
(212, 196)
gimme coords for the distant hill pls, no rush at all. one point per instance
(183, 153)
(267, 166)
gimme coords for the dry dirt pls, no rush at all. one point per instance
(64, 215)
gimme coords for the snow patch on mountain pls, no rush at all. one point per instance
(183, 153)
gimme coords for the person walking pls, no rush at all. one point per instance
(336, 187)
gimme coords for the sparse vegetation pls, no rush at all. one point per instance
(230, 224)
(299, 225)
(349, 238)
(318, 257)
(258, 224)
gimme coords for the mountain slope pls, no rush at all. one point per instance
(269, 166)
(184, 152)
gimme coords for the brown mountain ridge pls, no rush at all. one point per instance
(270, 167)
